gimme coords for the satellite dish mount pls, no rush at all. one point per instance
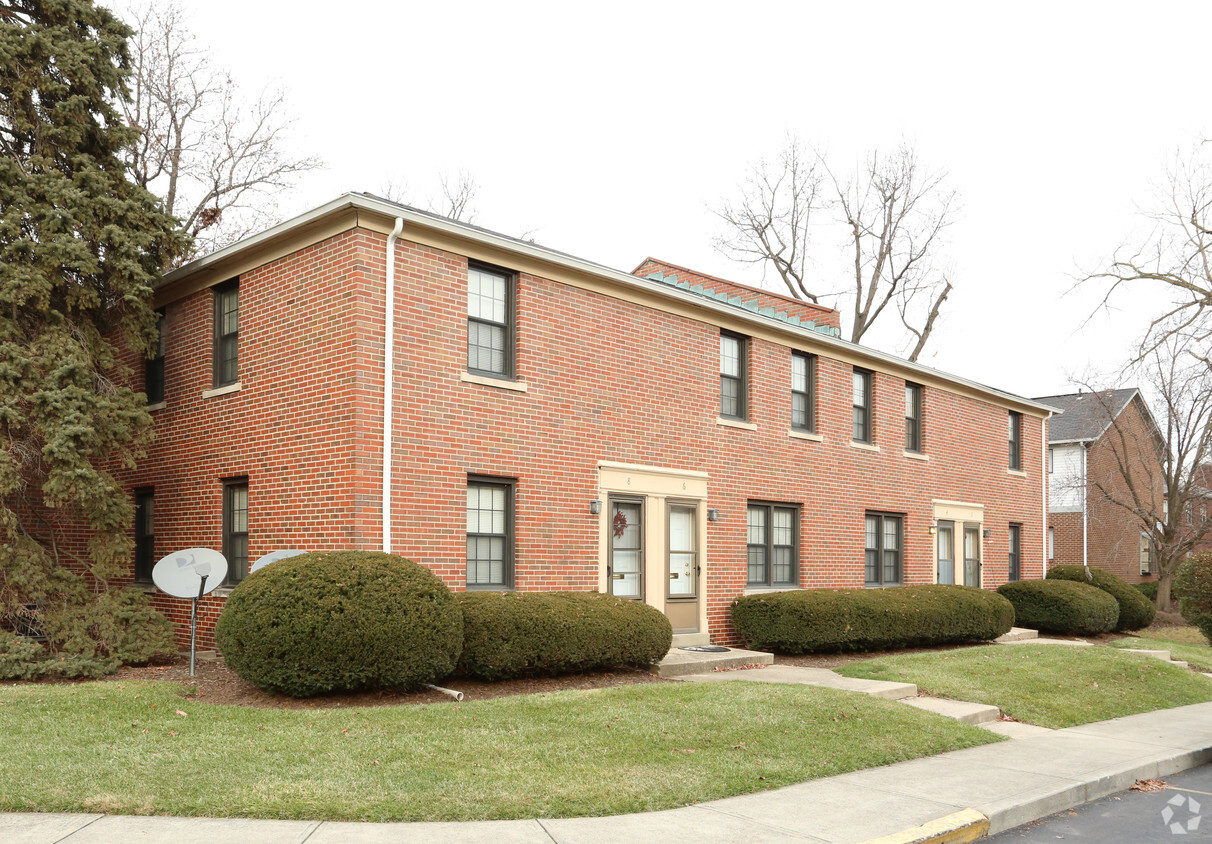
(191, 574)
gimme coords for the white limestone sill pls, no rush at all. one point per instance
(737, 423)
(500, 383)
(864, 446)
(804, 435)
(222, 391)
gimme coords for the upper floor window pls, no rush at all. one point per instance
(153, 372)
(882, 544)
(862, 406)
(1051, 543)
(913, 417)
(489, 533)
(803, 392)
(490, 315)
(227, 333)
(145, 534)
(1016, 440)
(733, 368)
(1016, 553)
(235, 528)
(772, 544)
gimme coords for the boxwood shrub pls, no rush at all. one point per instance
(518, 634)
(1149, 589)
(1194, 583)
(1135, 610)
(804, 621)
(340, 621)
(1061, 606)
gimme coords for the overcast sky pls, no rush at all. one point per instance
(611, 130)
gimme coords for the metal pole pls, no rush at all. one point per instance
(193, 625)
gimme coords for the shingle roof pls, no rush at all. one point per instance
(1085, 416)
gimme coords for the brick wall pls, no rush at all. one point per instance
(606, 380)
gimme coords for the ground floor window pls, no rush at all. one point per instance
(235, 528)
(1016, 552)
(882, 540)
(1146, 554)
(489, 533)
(772, 543)
(145, 534)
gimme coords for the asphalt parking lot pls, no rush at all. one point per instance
(1182, 811)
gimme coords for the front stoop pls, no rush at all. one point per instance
(960, 710)
(1017, 634)
(679, 663)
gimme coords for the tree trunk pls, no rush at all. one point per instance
(1163, 591)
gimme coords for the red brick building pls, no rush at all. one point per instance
(1089, 442)
(555, 424)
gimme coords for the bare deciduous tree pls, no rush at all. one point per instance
(1175, 258)
(457, 195)
(894, 213)
(213, 157)
(1156, 477)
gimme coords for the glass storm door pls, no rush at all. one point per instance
(946, 552)
(625, 573)
(972, 555)
(682, 606)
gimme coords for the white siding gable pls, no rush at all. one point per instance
(1065, 483)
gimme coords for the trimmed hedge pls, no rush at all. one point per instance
(804, 621)
(340, 621)
(520, 634)
(1135, 610)
(1061, 606)
(1149, 590)
(1194, 583)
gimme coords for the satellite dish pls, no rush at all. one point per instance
(273, 557)
(190, 573)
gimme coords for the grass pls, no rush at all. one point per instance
(1050, 685)
(1185, 643)
(143, 748)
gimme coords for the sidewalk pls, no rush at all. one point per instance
(1009, 783)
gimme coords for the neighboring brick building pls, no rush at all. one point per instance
(1088, 442)
(559, 425)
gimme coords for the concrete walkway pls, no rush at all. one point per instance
(983, 790)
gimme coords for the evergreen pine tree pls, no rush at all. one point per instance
(80, 246)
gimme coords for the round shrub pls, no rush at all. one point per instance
(1061, 606)
(1148, 589)
(1194, 583)
(340, 621)
(520, 634)
(1135, 610)
(804, 621)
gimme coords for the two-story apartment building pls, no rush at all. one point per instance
(369, 376)
(1099, 443)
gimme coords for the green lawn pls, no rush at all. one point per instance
(126, 748)
(1195, 652)
(1049, 685)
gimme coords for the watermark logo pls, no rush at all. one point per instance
(1188, 808)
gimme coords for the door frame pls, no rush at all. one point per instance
(963, 514)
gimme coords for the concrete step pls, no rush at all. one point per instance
(682, 640)
(1164, 656)
(678, 662)
(795, 675)
(1017, 634)
(1042, 640)
(1014, 729)
(960, 710)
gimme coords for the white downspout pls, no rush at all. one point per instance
(389, 363)
(1043, 491)
(1085, 508)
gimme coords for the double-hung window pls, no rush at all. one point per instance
(1016, 553)
(1146, 554)
(235, 528)
(772, 542)
(145, 534)
(489, 533)
(1016, 440)
(861, 432)
(882, 544)
(153, 371)
(803, 392)
(913, 418)
(733, 370)
(227, 334)
(490, 312)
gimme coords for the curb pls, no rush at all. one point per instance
(959, 828)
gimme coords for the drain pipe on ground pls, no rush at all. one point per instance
(451, 692)
(389, 364)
